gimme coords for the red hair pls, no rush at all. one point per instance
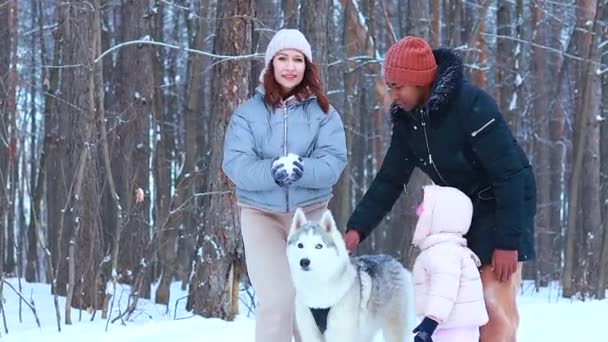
(311, 84)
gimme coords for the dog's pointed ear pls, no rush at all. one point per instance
(299, 219)
(327, 221)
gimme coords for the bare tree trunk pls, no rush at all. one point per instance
(205, 130)
(215, 281)
(314, 24)
(545, 233)
(403, 15)
(79, 93)
(365, 100)
(522, 56)
(108, 202)
(455, 25)
(435, 23)
(290, 13)
(394, 240)
(404, 211)
(47, 175)
(475, 55)
(418, 19)
(586, 10)
(110, 23)
(108, 270)
(135, 102)
(602, 279)
(195, 120)
(342, 207)
(591, 195)
(8, 135)
(480, 76)
(32, 267)
(13, 25)
(268, 15)
(58, 169)
(507, 68)
(335, 90)
(22, 192)
(167, 223)
(359, 40)
(557, 155)
(5, 66)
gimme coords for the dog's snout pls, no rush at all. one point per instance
(305, 262)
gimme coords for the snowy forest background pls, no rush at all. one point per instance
(112, 116)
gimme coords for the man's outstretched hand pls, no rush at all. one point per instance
(352, 239)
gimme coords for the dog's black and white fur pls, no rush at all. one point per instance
(339, 298)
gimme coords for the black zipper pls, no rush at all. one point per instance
(428, 148)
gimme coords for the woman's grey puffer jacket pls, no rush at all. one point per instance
(255, 136)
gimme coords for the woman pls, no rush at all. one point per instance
(284, 148)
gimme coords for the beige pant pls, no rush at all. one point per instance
(501, 303)
(265, 241)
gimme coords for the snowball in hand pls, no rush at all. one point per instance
(288, 162)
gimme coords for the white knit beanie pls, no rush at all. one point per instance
(287, 39)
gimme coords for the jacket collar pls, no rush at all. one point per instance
(291, 102)
(446, 87)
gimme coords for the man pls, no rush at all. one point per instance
(454, 132)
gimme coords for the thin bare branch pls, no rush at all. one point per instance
(204, 53)
(24, 301)
(212, 193)
(67, 66)
(172, 4)
(549, 48)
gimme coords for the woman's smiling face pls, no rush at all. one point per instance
(289, 66)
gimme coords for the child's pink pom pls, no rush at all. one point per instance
(419, 210)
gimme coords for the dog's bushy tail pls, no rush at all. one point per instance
(411, 320)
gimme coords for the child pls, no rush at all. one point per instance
(447, 282)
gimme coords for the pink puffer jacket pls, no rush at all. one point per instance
(447, 281)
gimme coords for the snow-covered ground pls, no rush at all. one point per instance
(544, 317)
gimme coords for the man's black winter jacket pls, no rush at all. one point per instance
(460, 139)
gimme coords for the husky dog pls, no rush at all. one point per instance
(341, 299)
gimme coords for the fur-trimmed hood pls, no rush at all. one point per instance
(449, 80)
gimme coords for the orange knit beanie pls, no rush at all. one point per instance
(410, 61)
